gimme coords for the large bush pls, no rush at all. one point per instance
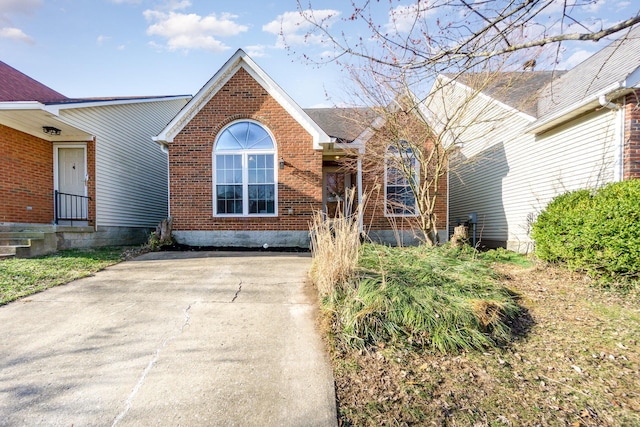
(594, 231)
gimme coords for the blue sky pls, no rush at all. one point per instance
(86, 48)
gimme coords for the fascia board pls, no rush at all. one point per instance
(572, 110)
(241, 60)
(21, 105)
(55, 108)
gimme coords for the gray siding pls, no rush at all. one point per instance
(507, 176)
(131, 170)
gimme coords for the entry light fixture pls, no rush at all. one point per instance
(281, 163)
(50, 130)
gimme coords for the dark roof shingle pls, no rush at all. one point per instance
(17, 86)
(344, 124)
(610, 65)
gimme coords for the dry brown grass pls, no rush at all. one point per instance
(335, 245)
(576, 363)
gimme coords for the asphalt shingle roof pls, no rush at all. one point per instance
(612, 64)
(345, 124)
(16, 86)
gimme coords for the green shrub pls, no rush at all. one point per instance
(597, 232)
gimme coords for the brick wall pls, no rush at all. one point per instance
(631, 150)
(26, 163)
(373, 176)
(190, 159)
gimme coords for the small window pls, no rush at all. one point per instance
(244, 171)
(401, 177)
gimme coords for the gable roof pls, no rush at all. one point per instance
(17, 86)
(241, 60)
(608, 74)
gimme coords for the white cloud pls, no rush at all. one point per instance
(575, 59)
(191, 31)
(15, 34)
(403, 18)
(256, 51)
(296, 28)
(11, 7)
(102, 39)
(25, 7)
(593, 6)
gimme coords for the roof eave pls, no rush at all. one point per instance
(614, 91)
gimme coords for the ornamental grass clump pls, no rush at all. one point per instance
(438, 299)
(335, 245)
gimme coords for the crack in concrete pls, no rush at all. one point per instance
(237, 292)
(150, 365)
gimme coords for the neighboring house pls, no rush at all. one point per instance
(78, 172)
(527, 137)
(249, 167)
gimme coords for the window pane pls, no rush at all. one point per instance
(261, 168)
(401, 172)
(261, 199)
(243, 135)
(229, 199)
(257, 137)
(226, 141)
(227, 171)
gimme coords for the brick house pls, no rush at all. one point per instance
(78, 172)
(249, 167)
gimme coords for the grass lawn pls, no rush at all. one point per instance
(22, 277)
(573, 357)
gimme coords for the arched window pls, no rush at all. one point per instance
(244, 172)
(400, 179)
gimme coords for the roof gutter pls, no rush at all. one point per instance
(600, 99)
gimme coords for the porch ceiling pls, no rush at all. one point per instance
(31, 121)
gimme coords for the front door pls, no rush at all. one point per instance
(335, 188)
(71, 182)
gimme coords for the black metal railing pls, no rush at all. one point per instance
(71, 207)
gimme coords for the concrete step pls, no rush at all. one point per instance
(19, 238)
(25, 244)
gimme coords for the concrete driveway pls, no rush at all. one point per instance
(171, 338)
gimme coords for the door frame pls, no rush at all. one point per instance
(58, 146)
(348, 184)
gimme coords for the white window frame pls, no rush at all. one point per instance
(245, 153)
(390, 156)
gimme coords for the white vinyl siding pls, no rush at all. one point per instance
(131, 170)
(507, 176)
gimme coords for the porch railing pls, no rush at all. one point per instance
(71, 207)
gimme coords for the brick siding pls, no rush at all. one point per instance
(190, 160)
(299, 183)
(631, 150)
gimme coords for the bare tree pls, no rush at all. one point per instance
(414, 143)
(488, 45)
(456, 36)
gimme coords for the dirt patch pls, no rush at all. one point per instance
(576, 362)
